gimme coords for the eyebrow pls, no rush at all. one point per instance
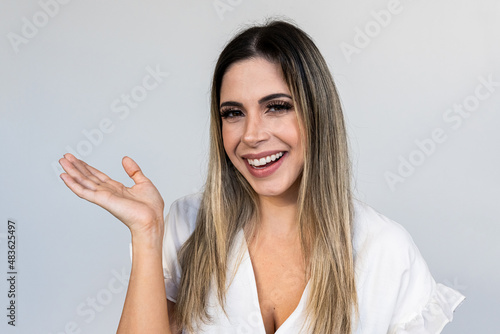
(262, 100)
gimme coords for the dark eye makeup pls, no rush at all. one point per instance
(276, 106)
(230, 112)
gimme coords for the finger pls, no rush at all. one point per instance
(97, 173)
(76, 175)
(77, 188)
(82, 167)
(133, 170)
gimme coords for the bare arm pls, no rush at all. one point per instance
(140, 208)
(173, 326)
(145, 309)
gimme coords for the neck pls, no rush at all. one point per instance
(278, 215)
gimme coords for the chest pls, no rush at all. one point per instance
(280, 278)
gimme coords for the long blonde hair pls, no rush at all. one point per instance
(324, 201)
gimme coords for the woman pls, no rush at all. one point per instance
(275, 243)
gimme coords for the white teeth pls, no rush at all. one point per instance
(265, 160)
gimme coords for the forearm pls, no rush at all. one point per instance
(145, 308)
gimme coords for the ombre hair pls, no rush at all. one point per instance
(324, 201)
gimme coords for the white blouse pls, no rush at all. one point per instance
(396, 292)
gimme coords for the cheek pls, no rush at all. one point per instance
(229, 139)
(296, 140)
(291, 131)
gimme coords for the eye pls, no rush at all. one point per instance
(230, 114)
(279, 107)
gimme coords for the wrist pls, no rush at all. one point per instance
(148, 239)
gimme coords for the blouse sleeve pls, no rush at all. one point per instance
(397, 293)
(434, 315)
(423, 306)
(179, 225)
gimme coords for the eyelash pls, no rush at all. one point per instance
(279, 106)
(224, 113)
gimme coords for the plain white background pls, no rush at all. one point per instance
(412, 75)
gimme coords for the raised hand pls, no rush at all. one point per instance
(140, 207)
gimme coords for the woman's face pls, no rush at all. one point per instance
(260, 127)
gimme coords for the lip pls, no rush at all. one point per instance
(266, 171)
(260, 155)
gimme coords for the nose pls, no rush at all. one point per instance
(255, 131)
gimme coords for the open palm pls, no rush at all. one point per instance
(140, 207)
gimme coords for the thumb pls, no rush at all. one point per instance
(133, 170)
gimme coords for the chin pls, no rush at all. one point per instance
(276, 189)
(269, 193)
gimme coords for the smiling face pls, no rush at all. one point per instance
(260, 127)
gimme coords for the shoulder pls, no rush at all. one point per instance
(182, 214)
(384, 251)
(180, 223)
(396, 290)
(392, 280)
(187, 204)
(379, 235)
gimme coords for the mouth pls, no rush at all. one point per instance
(266, 161)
